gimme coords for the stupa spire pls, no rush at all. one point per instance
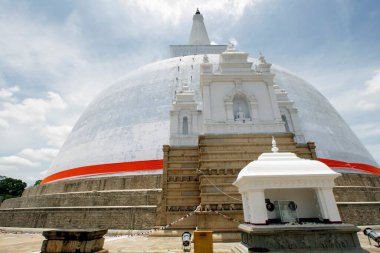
(198, 35)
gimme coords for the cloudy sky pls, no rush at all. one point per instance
(55, 56)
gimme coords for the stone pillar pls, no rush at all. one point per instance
(245, 207)
(255, 112)
(258, 211)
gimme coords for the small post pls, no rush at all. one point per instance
(203, 242)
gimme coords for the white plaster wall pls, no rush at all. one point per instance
(218, 91)
(260, 91)
(306, 200)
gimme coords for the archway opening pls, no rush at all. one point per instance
(185, 126)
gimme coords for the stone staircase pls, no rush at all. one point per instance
(204, 175)
(221, 157)
(125, 202)
(180, 187)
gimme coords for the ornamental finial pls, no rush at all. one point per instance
(231, 46)
(274, 146)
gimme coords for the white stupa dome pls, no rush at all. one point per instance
(129, 122)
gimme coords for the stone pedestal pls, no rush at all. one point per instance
(73, 241)
(302, 238)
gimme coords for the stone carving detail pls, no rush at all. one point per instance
(182, 179)
(305, 243)
(220, 171)
(332, 241)
(299, 241)
(181, 208)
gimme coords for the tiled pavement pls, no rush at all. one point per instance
(18, 242)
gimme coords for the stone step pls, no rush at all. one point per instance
(358, 180)
(182, 200)
(225, 160)
(185, 165)
(93, 198)
(263, 139)
(220, 198)
(174, 153)
(183, 185)
(206, 165)
(217, 179)
(360, 213)
(259, 146)
(215, 188)
(356, 194)
(228, 155)
(187, 153)
(183, 192)
(183, 159)
(182, 171)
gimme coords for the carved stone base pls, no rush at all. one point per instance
(73, 240)
(301, 238)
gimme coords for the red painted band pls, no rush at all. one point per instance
(158, 165)
(106, 169)
(346, 165)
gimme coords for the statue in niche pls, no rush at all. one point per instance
(240, 109)
(240, 115)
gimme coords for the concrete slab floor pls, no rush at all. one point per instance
(18, 242)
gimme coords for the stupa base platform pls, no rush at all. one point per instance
(301, 238)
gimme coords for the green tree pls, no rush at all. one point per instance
(37, 182)
(10, 187)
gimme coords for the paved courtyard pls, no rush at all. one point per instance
(20, 242)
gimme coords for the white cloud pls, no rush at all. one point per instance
(43, 154)
(375, 148)
(6, 93)
(3, 124)
(364, 100)
(15, 160)
(27, 158)
(31, 110)
(373, 85)
(172, 12)
(56, 135)
(367, 130)
(44, 173)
